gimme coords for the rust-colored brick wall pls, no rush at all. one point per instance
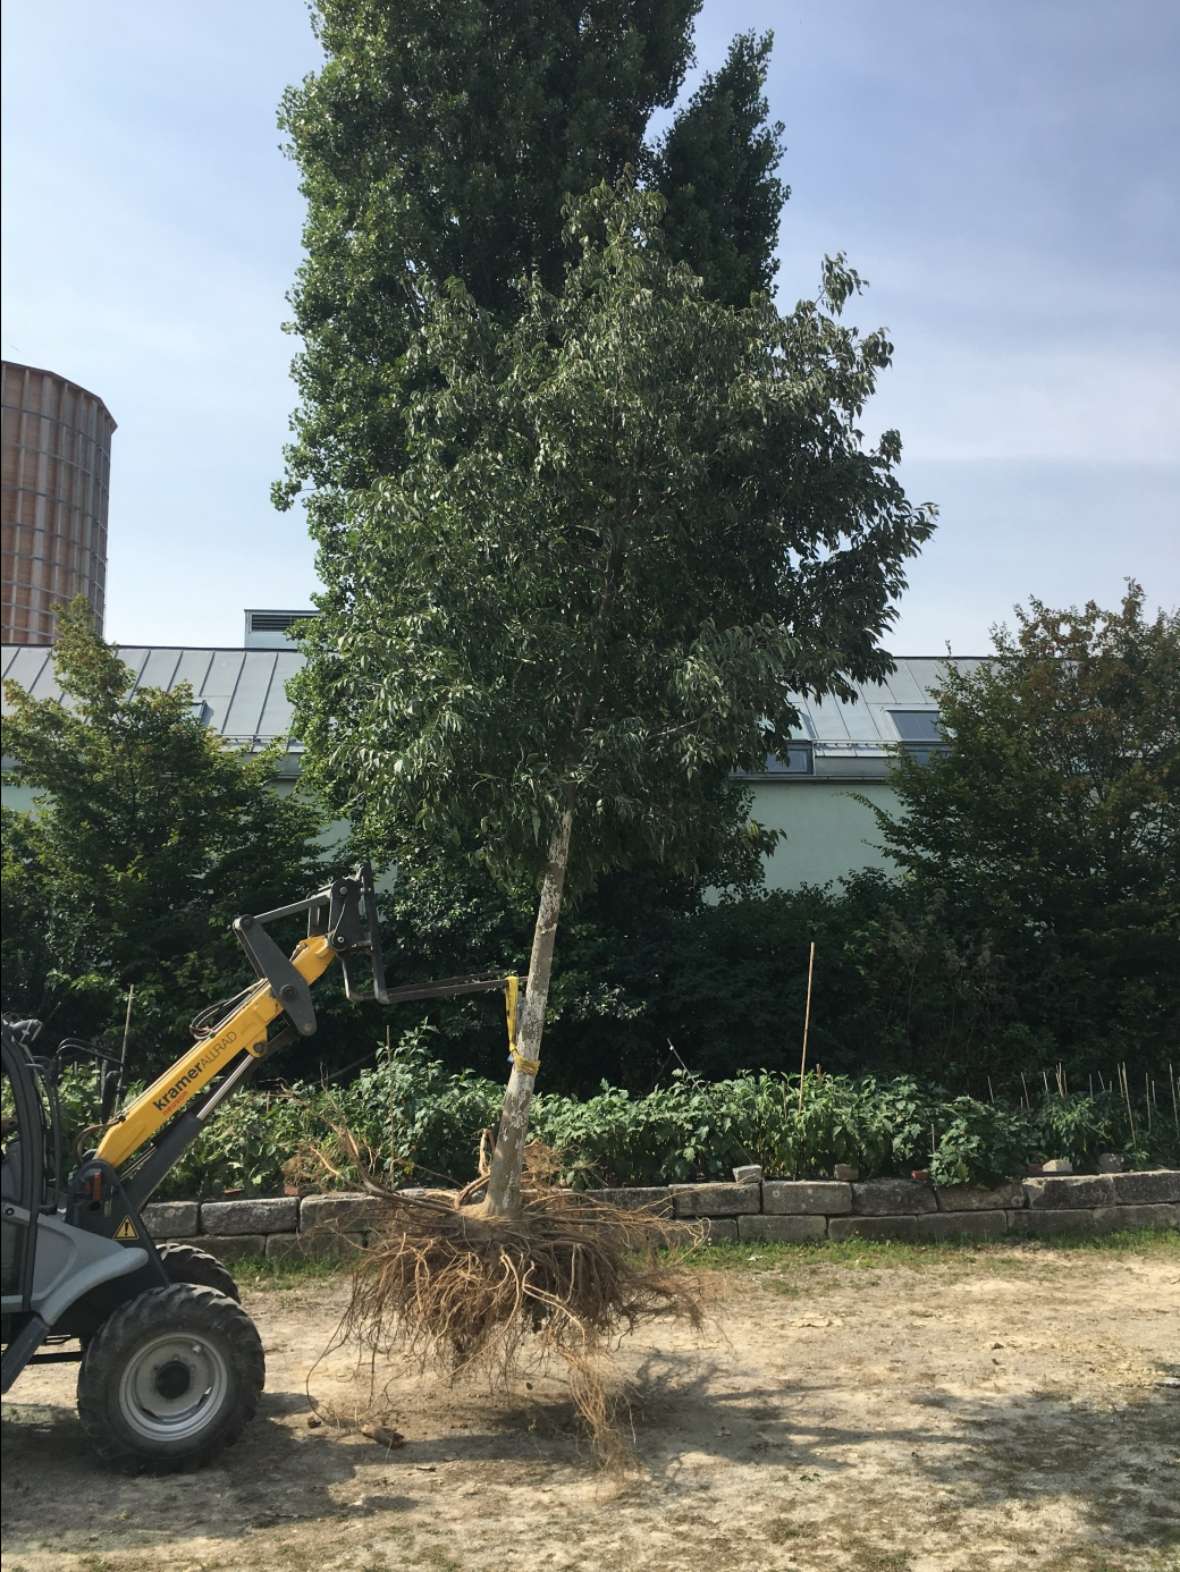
(55, 487)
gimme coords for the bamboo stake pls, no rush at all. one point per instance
(127, 1020)
(1175, 1099)
(1045, 1078)
(806, 1022)
(1101, 1082)
(122, 1071)
(1024, 1083)
(1147, 1097)
(990, 1093)
(1127, 1098)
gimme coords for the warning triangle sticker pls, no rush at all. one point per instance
(126, 1230)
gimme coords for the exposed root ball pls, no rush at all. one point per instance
(462, 1290)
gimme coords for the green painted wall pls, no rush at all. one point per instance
(18, 799)
(829, 833)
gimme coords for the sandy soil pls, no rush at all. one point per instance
(995, 1411)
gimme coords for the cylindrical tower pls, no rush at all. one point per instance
(56, 486)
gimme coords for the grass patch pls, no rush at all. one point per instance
(256, 1271)
(1005, 1256)
(877, 1254)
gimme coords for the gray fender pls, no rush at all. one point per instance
(70, 1262)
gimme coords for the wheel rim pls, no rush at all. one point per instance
(173, 1387)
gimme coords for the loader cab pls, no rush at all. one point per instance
(23, 1130)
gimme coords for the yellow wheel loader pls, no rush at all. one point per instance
(171, 1365)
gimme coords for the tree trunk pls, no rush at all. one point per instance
(503, 1196)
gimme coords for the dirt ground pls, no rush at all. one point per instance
(991, 1411)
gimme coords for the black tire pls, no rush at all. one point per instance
(170, 1379)
(184, 1263)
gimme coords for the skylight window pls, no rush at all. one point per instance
(917, 725)
(797, 761)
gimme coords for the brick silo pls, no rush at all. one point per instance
(56, 486)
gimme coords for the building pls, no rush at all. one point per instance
(56, 471)
(823, 794)
(815, 795)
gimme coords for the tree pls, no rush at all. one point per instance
(441, 142)
(716, 171)
(148, 837)
(630, 522)
(1051, 827)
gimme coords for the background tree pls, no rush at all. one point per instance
(441, 142)
(715, 169)
(149, 836)
(630, 522)
(1050, 830)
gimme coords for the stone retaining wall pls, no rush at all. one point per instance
(773, 1209)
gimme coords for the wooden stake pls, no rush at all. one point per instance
(806, 1021)
(1147, 1096)
(1175, 1099)
(990, 1093)
(1024, 1083)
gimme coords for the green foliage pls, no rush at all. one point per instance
(715, 169)
(603, 566)
(423, 1125)
(443, 142)
(148, 838)
(981, 1144)
(1048, 835)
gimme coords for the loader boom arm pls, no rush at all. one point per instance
(242, 1031)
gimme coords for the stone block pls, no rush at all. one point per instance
(715, 1200)
(655, 1198)
(958, 1225)
(349, 1211)
(803, 1197)
(782, 1230)
(235, 1247)
(749, 1173)
(977, 1198)
(892, 1198)
(1148, 1188)
(873, 1228)
(718, 1230)
(1038, 1222)
(1163, 1214)
(172, 1219)
(261, 1215)
(1110, 1163)
(1057, 1165)
(1083, 1190)
(323, 1244)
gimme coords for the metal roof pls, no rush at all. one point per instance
(245, 691)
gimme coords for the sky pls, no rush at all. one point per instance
(1004, 175)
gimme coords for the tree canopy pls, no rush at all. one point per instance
(631, 521)
(1050, 829)
(148, 837)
